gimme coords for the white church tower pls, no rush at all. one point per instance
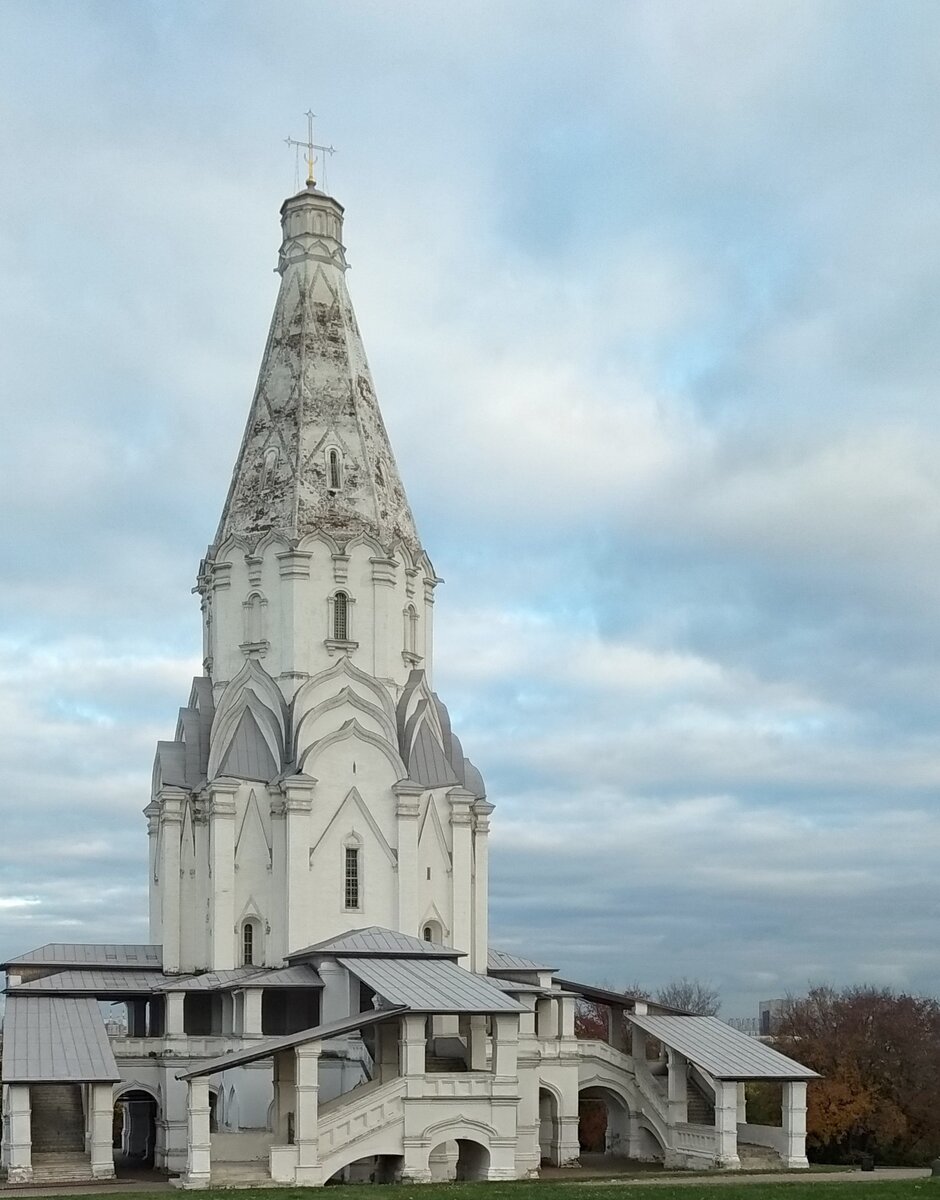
(314, 784)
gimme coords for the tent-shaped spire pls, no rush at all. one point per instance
(315, 455)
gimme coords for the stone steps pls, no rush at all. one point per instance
(57, 1118)
(61, 1167)
(435, 1065)
(759, 1158)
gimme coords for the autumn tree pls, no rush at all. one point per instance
(692, 995)
(879, 1055)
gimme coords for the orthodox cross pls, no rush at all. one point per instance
(310, 145)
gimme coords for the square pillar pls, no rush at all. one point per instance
(251, 1012)
(677, 1089)
(794, 1124)
(742, 1103)
(222, 869)
(101, 1120)
(476, 1044)
(566, 1007)
(284, 1098)
(546, 1018)
(407, 811)
(726, 1123)
(505, 1045)
(413, 1044)
(175, 1003)
(198, 1141)
(306, 1113)
(19, 1146)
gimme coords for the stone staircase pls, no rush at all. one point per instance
(58, 1134)
(701, 1106)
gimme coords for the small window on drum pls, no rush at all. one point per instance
(341, 617)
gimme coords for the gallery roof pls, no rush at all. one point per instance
(56, 1039)
(500, 960)
(430, 985)
(71, 954)
(93, 982)
(724, 1052)
(374, 940)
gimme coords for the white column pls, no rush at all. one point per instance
(298, 805)
(566, 1008)
(407, 811)
(283, 1096)
(306, 1113)
(19, 1149)
(505, 1045)
(412, 1047)
(152, 813)
(101, 1106)
(222, 870)
(294, 568)
(546, 1018)
(198, 1141)
(251, 1012)
(677, 1089)
(481, 870)
(175, 1009)
(476, 1043)
(726, 1123)
(386, 1036)
(276, 941)
(428, 624)
(794, 1124)
(172, 801)
(462, 837)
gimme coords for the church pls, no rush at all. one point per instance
(319, 1000)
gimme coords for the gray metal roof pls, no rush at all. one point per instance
(66, 954)
(388, 943)
(724, 1052)
(269, 1046)
(302, 975)
(499, 960)
(519, 987)
(55, 1039)
(430, 985)
(208, 981)
(95, 982)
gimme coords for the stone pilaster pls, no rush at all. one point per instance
(386, 644)
(101, 1119)
(306, 1109)
(461, 823)
(407, 812)
(172, 802)
(18, 1151)
(222, 793)
(199, 1144)
(726, 1124)
(794, 1124)
(298, 806)
(481, 837)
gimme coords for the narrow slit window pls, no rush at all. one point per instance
(335, 465)
(352, 881)
(248, 944)
(341, 617)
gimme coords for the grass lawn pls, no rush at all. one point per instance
(710, 1189)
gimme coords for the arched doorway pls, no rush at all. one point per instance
(603, 1122)
(549, 1128)
(461, 1159)
(134, 1128)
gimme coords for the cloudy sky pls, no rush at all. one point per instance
(650, 293)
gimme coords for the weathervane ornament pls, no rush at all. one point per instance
(310, 146)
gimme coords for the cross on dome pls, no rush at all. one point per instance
(310, 145)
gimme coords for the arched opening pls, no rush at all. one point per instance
(431, 932)
(252, 951)
(603, 1123)
(411, 630)
(463, 1160)
(549, 1128)
(134, 1129)
(334, 468)
(341, 617)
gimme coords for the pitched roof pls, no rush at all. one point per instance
(95, 982)
(80, 954)
(430, 985)
(388, 943)
(500, 960)
(208, 981)
(55, 1039)
(269, 1046)
(719, 1049)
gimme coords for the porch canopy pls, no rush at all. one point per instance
(432, 985)
(56, 1039)
(725, 1053)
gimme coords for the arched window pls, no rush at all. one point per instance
(352, 881)
(341, 617)
(334, 467)
(248, 944)
(428, 933)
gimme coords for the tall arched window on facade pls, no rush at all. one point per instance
(352, 876)
(341, 617)
(248, 944)
(334, 464)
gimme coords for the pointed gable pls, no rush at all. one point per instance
(248, 755)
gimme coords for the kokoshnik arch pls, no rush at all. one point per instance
(319, 998)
